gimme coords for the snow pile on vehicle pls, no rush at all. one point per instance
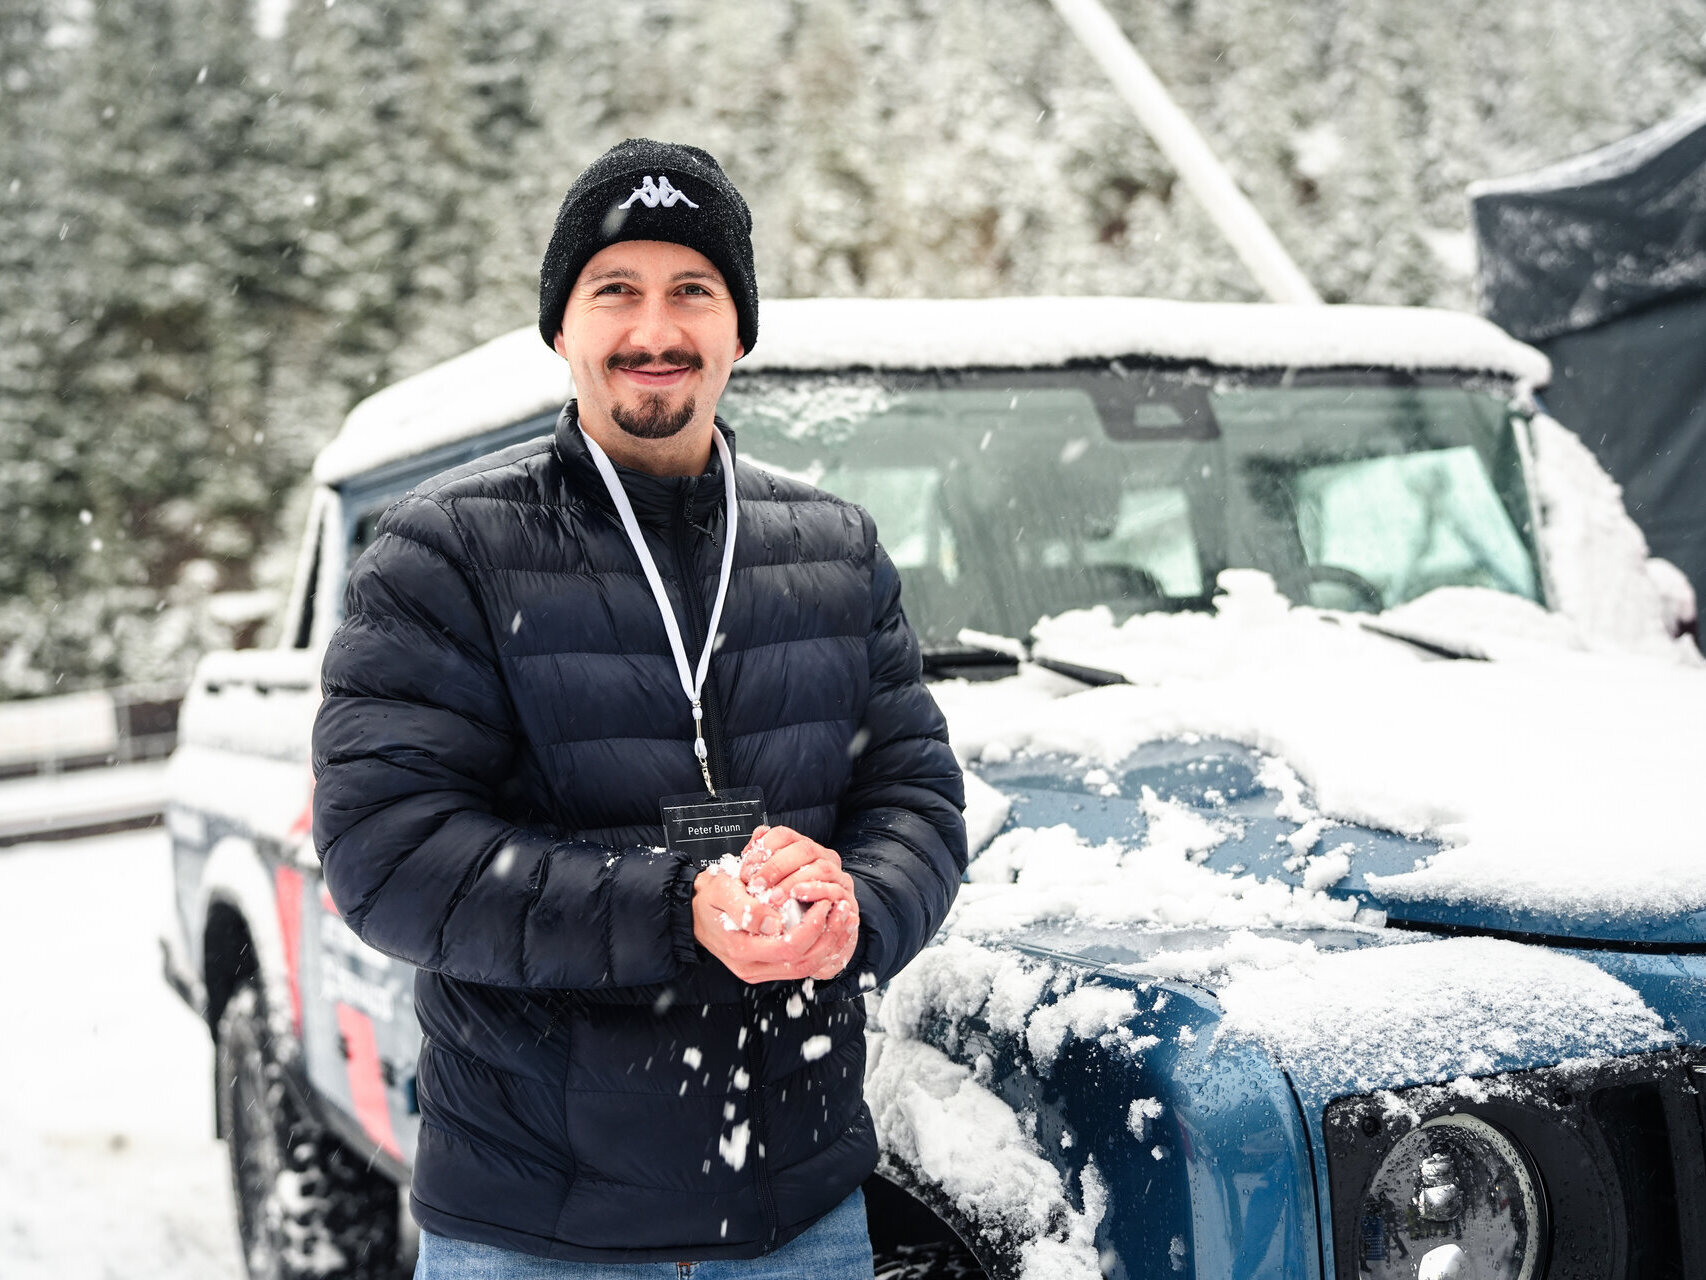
(933, 1116)
(960, 980)
(1384, 1017)
(1550, 775)
(957, 981)
(1029, 874)
(515, 376)
(957, 333)
(1088, 1012)
(510, 378)
(1597, 563)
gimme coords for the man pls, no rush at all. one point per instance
(567, 654)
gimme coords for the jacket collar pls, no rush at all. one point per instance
(655, 499)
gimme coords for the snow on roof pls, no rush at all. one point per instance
(1611, 161)
(516, 376)
(506, 380)
(830, 333)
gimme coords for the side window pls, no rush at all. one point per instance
(361, 533)
(303, 632)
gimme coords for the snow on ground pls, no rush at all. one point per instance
(108, 1164)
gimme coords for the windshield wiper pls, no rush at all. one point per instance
(979, 650)
(1434, 647)
(941, 659)
(1096, 676)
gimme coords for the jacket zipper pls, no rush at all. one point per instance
(688, 577)
(755, 1117)
(718, 762)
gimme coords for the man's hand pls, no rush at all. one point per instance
(748, 920)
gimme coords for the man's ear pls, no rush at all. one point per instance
(740, 347)
(559, 346)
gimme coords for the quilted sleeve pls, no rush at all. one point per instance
(900, 832)
(413, 739)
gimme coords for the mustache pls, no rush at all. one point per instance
(675, 357)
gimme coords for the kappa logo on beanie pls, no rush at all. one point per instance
(633, 192)
(652, 196)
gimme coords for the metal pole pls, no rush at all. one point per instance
(1245, 230)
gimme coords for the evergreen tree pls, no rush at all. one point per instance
(42, 532)
(214, 244)
(156, 483)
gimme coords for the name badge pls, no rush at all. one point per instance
(707, 827)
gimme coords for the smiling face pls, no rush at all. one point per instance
(650, 336)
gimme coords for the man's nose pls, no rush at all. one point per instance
(655, 327)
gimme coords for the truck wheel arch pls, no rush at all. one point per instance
(241, 934)
(910, 1238)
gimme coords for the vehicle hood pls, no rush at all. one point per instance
(1296, 774)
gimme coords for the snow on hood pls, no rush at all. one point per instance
(1426, 1011)
(1030, 875)
(1554, 777)
(1407, 1011)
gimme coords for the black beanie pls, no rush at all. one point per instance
(645, 190)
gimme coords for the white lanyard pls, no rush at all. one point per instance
(692, 682)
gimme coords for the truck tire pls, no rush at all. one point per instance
(938, 1260)
(306, 1205)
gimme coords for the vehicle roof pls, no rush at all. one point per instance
(516, 376)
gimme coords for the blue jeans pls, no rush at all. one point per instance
(836, 1247)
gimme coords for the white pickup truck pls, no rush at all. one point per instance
(1025, 459)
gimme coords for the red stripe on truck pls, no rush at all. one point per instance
(366, 1085)
(287, 893)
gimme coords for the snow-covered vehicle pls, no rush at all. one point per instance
(1334, 909)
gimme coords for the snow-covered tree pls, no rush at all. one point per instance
(215, 241)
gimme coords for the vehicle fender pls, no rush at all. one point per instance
(237, 877)
(1140, 1140)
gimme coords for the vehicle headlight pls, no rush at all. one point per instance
(1455, 1199)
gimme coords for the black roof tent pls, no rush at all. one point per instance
(1600, 261)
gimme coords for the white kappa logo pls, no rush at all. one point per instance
(653, 194)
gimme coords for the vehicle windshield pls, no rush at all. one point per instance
(1006, 496)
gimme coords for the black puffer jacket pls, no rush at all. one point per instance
(501, 717)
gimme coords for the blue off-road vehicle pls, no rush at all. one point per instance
(1335, 910)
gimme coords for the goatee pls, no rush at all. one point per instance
(653, 419)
